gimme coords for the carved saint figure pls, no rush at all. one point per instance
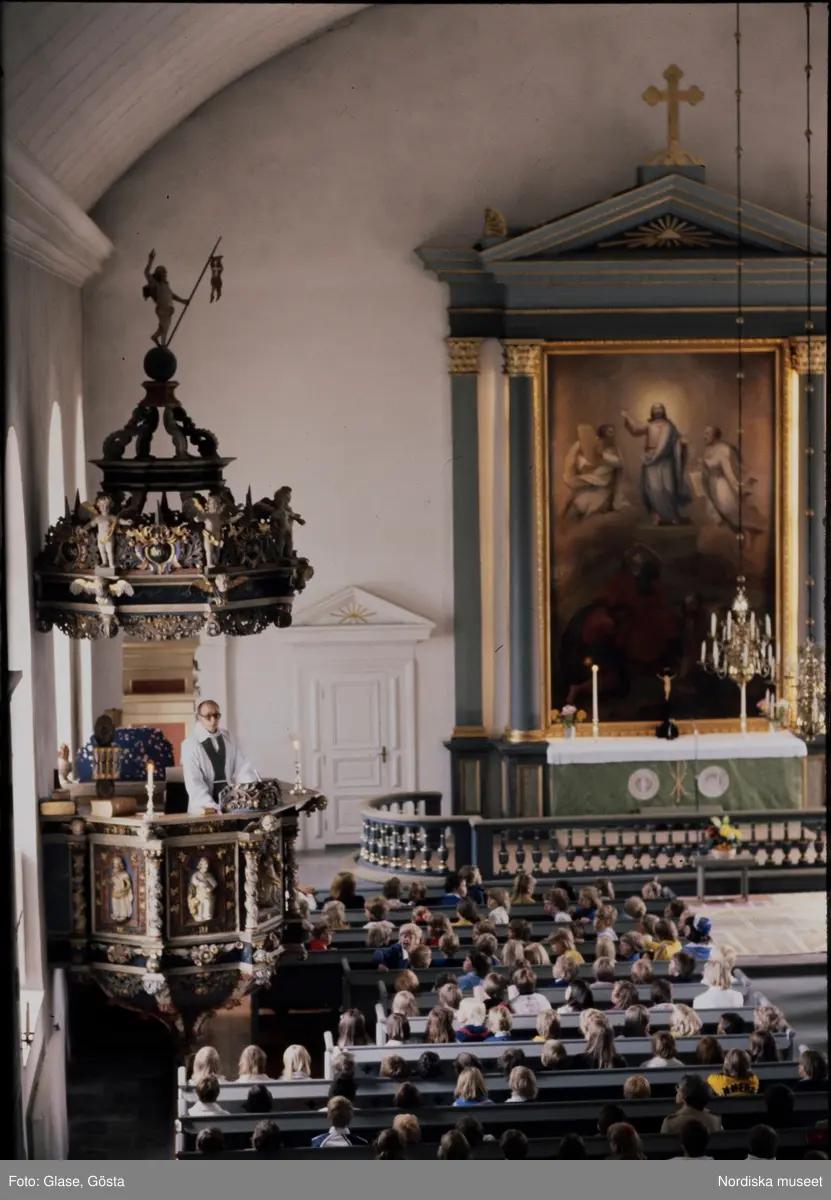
(666, 678)
(65, 774)
(593, 472)
(106, 523)
(202, 893)
(281, 517)
(121, 892)
(720, 473)
(160, 292)
(270, 883)
(663, 467)
(213, 516)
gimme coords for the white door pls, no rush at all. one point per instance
(361, 740)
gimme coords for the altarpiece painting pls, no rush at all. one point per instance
(643, 514)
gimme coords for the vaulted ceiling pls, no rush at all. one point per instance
(89, 88)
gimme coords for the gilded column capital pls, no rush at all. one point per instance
(800, 360)
(463, 355)
(522, 358)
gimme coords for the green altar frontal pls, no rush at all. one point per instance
(711, 774)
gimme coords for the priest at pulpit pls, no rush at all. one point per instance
(211, 760)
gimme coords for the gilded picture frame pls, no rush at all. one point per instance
(783, 502)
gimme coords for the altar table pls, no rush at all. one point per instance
(707, 864)
(709, 773)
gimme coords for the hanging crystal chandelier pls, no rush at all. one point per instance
(808, 716)
(741, 649)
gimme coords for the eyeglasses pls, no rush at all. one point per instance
(210, 716)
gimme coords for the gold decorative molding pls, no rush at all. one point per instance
(800, 360)
(464, 355)
(521, 737)
(469, 731)
(667, 233)
(495, 224)
(522, 358)
(673, 96)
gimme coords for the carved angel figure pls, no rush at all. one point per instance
(121, 892)
(159, 290)
(201, 893)
(106, 523)
(281, 518)
(219, 587)
(213, 515)
(102, 589)
(270, 883)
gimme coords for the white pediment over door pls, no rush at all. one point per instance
(355, 615)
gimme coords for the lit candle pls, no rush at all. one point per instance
(150, 770)
(712, 624)
(295, 745)
(715, 655)
(704, 650)
(595, 671)
(729, 625)
(767, 626)
(753, 624)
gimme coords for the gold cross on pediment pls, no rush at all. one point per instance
(672, 96)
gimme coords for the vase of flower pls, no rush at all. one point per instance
(568, 717)
(723, 852)
(721, 839)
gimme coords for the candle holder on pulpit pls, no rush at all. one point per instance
(297, 788)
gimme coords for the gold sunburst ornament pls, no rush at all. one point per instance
(353, 614)
(668, 233)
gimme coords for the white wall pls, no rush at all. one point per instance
(323, 366)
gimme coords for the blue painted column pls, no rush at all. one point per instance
(522, 366)
(812, 435)
(463, 365)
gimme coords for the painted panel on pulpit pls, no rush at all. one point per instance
(202, 887)
(643, 511)
(118, 890)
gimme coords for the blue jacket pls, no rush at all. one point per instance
(631, 958)
(450, 898)
(470, 981)
(700, 952)
(472, 1033)
(392, 957)
(470, 1103)
(499, 1037)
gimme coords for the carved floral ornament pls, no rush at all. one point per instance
(805, 362)
(463, 355)
(522, 358)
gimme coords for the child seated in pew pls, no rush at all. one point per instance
(685, 1022)
(404, 1004)
(344, 887)
(554, 1056)
(321, 936)
(536, 955)
(500, 1023)
(466, 913)
(396, 956)
(564, 970)
(267, 1138)
(252, 1064)
(376, 910)
(601, 1052)
(407, 1128)
(421, 957)
(340, 1113)
(210, 1141)
(603, 972)
(446, 954)
(455, 889)
(655, 890)
(520, 930)
(379, 935)
(438, 924)
(342, 1085)
(391, 892)
(406, 981)
(588, 902)
(557, 906)
(334, 914)
(624, 994)
(562, 942)
(398, 1030)
(258, 1101)
(665, 942)
(605, 948)
(523, 1084)
(416, 894)
(352, 1029)
(718, 977)
(604, 922)
(636, 1022)
(709, 1052)
(682, 967)
(394, 1067)
(472, 1021)
(449, 996)
(476, 967)
(407, 1097)
(660, 996)
(487, 944)
(697, 931)
(524, 999)
(207, 1095)
(736, 1077)
(389, 1147)
(499, 906)
(731, 1024)
(472, 879)
(439, 1030)
(813, 1067)
(494, 991)
(206, 1062)
(762, 1047)
(767, 1018)
(578, 997)
(548, 1026)
(523, 892)
(663, 1052)
(635, 908)
(637, 1087)
(513, 953)
(641, 972)
(628, 948)
(471, 1089)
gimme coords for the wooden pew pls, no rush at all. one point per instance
(525, 1027)
(683, 993)
(634, 1050)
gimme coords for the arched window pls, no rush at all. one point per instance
(26, 813)
(61, 645)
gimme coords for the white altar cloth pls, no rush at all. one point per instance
(707, 747)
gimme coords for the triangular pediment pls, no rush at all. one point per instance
(671, 215)
(353, 608)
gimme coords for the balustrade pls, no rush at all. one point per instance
(423, 842)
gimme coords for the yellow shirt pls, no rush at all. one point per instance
(576, 955)
(462, 921)
(724, 1085)
(662, 951)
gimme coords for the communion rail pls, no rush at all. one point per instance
(407, 833)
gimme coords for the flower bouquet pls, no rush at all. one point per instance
(721, 838)
(568, 716)
(775, 711)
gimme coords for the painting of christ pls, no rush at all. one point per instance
(644, 483)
